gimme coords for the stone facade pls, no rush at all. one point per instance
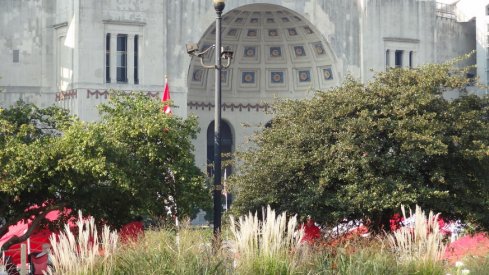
(71, 53)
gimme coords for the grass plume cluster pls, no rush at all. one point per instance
(253, 246)
(78, 254)
(422, 242)
(265, 246)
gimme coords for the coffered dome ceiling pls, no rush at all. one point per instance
(277, 53)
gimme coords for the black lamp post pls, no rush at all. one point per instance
(192, 49)
(219, 7)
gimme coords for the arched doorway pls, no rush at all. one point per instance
(226, 147)
(226, 151)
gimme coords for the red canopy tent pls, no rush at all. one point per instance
(35, 241)
(131, 231)
(469, 245)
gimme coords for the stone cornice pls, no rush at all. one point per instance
(401, 39)
(124, 22)
(60, 25)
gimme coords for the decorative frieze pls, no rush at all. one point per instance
(96, 93)
(229, 106)
(66, 95)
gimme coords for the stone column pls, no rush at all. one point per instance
(412, 54)
(140, 59)
(113, 58)
(130, 58)
(392, 58)
(405, 59)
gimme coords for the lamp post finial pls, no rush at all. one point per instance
(219, 5)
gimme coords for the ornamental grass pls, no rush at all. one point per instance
(265, 247)
(253, 246)
(159, 252)
(80, 254)
(421, 242)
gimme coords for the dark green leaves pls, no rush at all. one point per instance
(125, 165)
(362, 150)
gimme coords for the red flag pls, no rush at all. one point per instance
(166, 97)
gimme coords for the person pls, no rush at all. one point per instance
(10, 267)
(312, 233)
(39, 262)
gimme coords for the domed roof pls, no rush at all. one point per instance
(277, 53)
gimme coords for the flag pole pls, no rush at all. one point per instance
(164, 98)
(226, 188)
(164, 87)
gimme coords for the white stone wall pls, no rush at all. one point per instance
(482, 39)
(25, 29)
(396, 25)
(456, 39)
(61, 46)
(356, 30)
(469, 11)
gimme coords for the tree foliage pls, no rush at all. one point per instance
(362, 150)
(126, 164)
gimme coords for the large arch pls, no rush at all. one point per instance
(278, 54)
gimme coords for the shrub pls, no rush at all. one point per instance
(361, 150)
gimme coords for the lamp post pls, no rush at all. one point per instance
(193, 50)
(219, 7)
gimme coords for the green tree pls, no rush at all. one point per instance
(27, 134)
(126, 164)
(362, 150)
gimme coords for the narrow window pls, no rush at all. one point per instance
(136, 65)
(15, 56)
(487, 10)
(387, 61)
(122, 58)
(411, 59)
(107, 58)
(398, 59)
